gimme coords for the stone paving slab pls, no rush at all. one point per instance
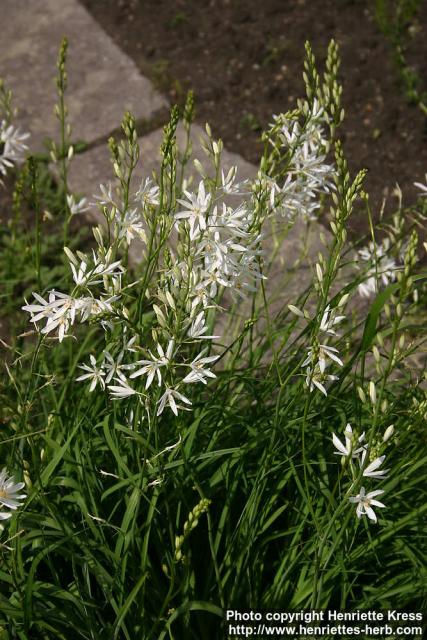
(102, 81)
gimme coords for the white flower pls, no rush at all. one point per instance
(63, 312)
(382, 267)
(94, 307)
(328, 352)
(59, 312)
(315, 378)
(131, 226)
(198, 328)
(104, 267)
(5, 164)
(76, 207)
(148, 193)
(372, 470)
(329, 320)
(42, 309)
(113, 367)
(152, 367)
(85, 275)
(228, 184)
(79, 276)
(129, 345)
(168, 399)
(10, 495)
(322, 353)
(350, 448)
(106, 197)
(292, 199)
(234, 222)
(12, 146)
(94, 373)
(364, 501)
(198, 369)
(122, 389)
(195, 209)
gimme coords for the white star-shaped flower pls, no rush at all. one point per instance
(372, 470)
(10, 496)
(350, 448)
(365, 501)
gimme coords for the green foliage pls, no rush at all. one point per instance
(394, 18)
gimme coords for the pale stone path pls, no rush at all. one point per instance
(102, 81)
(102, 84)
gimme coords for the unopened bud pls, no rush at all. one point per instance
(27, 480)
(198, 166)
(372, 392)
(361, 394)
(388, 433)
(343, 300)
(295, 310)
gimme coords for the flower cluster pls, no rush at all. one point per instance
(217, 251)
(364, 459)
(60, 310)
(321, 355)
(307, 174)
(224, 245)
(195, 250)
(201, 248)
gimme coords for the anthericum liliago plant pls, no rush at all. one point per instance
(188, 446)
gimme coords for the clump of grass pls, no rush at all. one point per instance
(177, 432)
(394, 17)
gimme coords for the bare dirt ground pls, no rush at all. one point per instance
(243, 58)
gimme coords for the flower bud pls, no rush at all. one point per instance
(295, 310)
(198, 166)
(388, 433)
(361, 394)
(343, 300)
(372, 392)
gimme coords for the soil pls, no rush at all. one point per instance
(243, 59)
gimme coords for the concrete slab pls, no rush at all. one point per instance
(102, 81)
